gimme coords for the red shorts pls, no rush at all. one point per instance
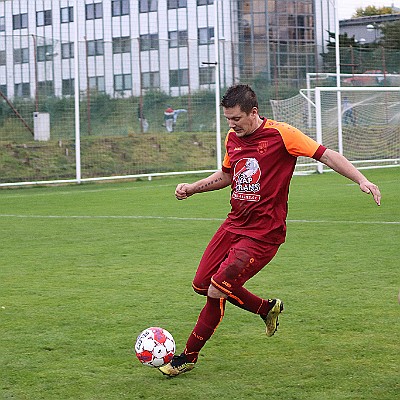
(230, 260)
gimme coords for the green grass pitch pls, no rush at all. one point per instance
(83, 269)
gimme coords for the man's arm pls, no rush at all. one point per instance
(344, 167)
(217, 180)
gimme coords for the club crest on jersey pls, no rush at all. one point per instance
(262, 147)
(246, 176)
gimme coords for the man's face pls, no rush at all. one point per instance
(243, 124)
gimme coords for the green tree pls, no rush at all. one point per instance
(348, 46)
(356, 57)
(372, 10)
(391, 35)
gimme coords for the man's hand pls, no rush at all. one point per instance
(183, 191)
(369, 187)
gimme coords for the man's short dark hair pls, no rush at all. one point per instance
(240, 95)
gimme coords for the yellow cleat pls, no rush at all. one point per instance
(177, 366)
(271, 319)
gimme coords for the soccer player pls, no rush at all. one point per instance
(259, 162)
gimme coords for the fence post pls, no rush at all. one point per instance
(77, 108)
(217, 88)
(318, 122)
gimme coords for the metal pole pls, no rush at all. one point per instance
(318, 123)
(268, 44)
(189, 88)
(36, 73)
(339, 94)
(309, 111)
(89, 128)
(217, 84)
(76, 85)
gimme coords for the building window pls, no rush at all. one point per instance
(121, 45)
(20, 21)
(178, 39)
(21, 56)
(44, 53)
(43, 18)
(176, 4)
(148, 5)
(149, 42)
(68, 87)
(67, 15)
(204, 2)
(2, 24)
(120, 7)
(206, 75)
(22, 89)
(122, 82)
(150, 80)
(300, 27)
(95, 47)
(94, 11)
(97, 83)
(205, 35)
(179, 77)
(3, 58)
(67, 50)
(46, 88)
(3, 89)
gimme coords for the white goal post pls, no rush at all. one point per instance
(366, 129)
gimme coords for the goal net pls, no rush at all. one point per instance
(361, 123)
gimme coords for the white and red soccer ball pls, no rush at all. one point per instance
(155, 347)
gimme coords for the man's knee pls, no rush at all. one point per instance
(200, 290)
(208, 290)
(214, 293)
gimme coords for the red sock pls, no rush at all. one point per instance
(210, 317)
(248, 301)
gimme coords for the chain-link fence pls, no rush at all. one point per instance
(138, 113)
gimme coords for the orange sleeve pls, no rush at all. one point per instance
(296, 142)
(226, 164)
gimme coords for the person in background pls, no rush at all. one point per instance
(348, 112)
(259, 162)
(169, 119)
(144, 125)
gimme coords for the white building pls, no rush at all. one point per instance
(127, 46)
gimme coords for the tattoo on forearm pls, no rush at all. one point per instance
(206, 185)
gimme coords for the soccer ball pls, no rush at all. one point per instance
(155, 347)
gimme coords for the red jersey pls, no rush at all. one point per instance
(261, 166)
